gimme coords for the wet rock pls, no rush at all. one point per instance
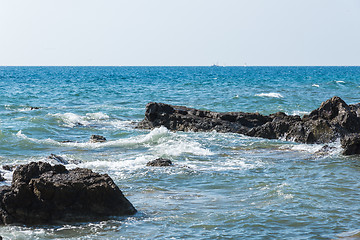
(332, 120)
(351, 144)
(97, 138)
(160, 162)
(34, 108)
(41, 194)
(9, 167)
(58, 159)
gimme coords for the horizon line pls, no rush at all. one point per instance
(214, 66)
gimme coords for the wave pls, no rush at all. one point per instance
(72, 120)
(160, 141)
(98, 120)
(315, 85)
(333, 148)
(272, 95)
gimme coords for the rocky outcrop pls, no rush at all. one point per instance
(332, 120)
(160, 162)
(41, 193)
(97, 138)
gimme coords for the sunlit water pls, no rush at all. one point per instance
(223, 186)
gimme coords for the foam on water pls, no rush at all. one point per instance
(298, 112)
(71, 119)
(271, 95)
(177, 147)
(160, 140)
(50, 141)
(333, 148)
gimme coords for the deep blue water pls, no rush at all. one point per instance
(224, 186)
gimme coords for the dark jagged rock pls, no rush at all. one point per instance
(97, 138)
(160, 162)
(42, 194)
(332, 120)
(351, 144)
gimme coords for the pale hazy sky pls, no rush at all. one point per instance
(179, 32)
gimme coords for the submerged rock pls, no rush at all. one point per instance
(160, 162)
(42, 194)
(332, 120)
(58, 159)
(97, 138)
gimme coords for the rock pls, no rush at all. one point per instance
(58, 159)
(351, 144)
(34, 108)
(160, 162)
(43, 194)
(97, 138)
(332, 120)
(9, 167)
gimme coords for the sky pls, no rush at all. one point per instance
(179, 32)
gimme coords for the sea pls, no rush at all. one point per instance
(222, 185)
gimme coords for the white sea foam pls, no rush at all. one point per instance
(334, 147)
(272, 95)
(99, 119)
(340, 81)
(315, 85)
(230, 164)
(41, 141)
(71, 119)
(177, 147)
(298, 112)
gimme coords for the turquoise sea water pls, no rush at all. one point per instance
(223, 186)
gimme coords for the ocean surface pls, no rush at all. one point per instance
(223, 186)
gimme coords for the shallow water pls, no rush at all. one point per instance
(223, 186)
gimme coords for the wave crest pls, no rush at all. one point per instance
(272, 95)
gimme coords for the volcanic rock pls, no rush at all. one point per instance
(160, 162)
(334, 119)
(42, 194)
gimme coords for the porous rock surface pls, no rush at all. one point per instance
(332, 120)
(41, 194)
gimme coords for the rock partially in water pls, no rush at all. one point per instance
(43, 194)
(160, 162)
(9, 167)
(58, 159)
(97, 138)
(332, 120)
(351, 144)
